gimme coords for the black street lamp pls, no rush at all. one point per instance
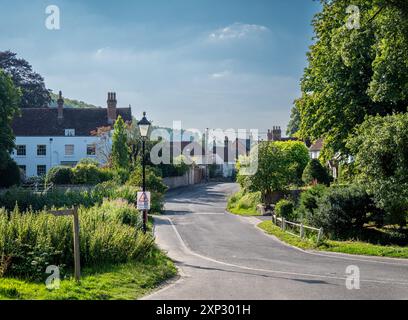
(144, 126)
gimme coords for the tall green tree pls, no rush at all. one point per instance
(380, 148)
(9, 107)
(32, 86)
(120, 149)
(280, 164)
(354, 72)
(294, 122)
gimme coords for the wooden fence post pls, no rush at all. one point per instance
(73, 212)
(77, 253)
(320, 235)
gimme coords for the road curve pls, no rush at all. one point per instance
(224, 257)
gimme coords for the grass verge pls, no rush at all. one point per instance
(244, 204)
(115, 282)
(350, 247)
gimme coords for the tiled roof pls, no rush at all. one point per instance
(317, 146)
(44, 121)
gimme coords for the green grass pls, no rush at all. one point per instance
(350, 247)
(244, 204)
(121, 282)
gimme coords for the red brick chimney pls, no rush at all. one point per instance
(60, 103)
(112, 103)
(275, 134)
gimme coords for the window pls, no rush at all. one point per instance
(91, 150)
(70, 132)
(41, 150)
(69, 149)
(21, 150)
(41, 170)
(23, 169)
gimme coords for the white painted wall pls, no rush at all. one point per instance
(55, 151)
(314, 154)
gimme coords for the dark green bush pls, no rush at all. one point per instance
(154, 182)
(10, 175)
(308, 202)
(343, 211)
(173, 170)
(59, 175)
(88, 174)
(285, 209)
(315, 172)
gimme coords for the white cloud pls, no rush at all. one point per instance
(237, 31)
(219, 75)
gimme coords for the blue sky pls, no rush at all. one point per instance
(209, 63)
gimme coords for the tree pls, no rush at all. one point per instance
(279, 164)
(380, 149)
(10, 174)
(354, 73)
(9, 107)
(315, 172)
(294, 122)
(120, 149)
(31, 84)
(297, 157)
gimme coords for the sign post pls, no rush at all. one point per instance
(143, 204)
(73, 212)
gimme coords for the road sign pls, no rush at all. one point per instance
(143, 200)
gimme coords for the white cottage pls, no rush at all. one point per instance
(48, 137)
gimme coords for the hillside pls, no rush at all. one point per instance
(70, 103)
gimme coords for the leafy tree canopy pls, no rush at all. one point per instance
(315, 172)
(31, 84)
(294, 122)
(380, 148)
(9, 107)
(280, 164)
(120, 149)
(354, 72)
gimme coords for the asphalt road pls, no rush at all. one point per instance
(222, 256)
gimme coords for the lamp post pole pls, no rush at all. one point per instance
(144, 126)
(144, 182)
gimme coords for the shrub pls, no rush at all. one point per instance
(285, 209)
(249, 200)
(59, 175)
(119, 210)
(173, 170)
(315, 172)
(88, 161)
(10, 175)
(86, 174)
(308, 202)
(243, 201)
(154, 182)
(32, 241)
(343, 211)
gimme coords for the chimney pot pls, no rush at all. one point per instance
(112, 104)
(60, 103)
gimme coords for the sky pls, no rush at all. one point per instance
(207, 63)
